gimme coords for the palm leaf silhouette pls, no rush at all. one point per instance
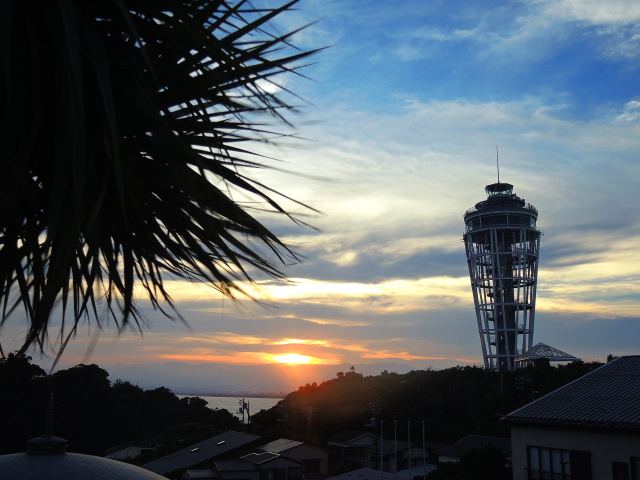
(126, 126)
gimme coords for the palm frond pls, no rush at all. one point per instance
(120, 120)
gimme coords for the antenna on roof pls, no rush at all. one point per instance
(47, 443)
(497, 164)
(48, 426)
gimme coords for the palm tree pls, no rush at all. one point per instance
(126, 130)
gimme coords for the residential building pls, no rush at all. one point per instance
(351, 450)
(203, 454)
(588, 429)
(453, 453)
(314, 460)
(368, 474)
(347, 450)
(281, 459)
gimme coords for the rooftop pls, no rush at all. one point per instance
(476, 442)
(258, 458)
(280, 445)
(608, 397)
(542, 350)
(201, 452)
(70, 466)
(349, 437)
(368, 474)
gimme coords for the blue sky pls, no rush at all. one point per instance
(405, 109)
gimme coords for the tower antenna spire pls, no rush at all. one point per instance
(497, 164)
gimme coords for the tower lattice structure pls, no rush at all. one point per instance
(502, 244)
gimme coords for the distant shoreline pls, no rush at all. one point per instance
(280, 395)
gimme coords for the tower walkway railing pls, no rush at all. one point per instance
(528, 206)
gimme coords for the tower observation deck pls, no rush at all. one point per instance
(502, 244)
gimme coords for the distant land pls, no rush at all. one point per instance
(222, 379)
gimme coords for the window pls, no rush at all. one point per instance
(556, 464)
(501, 219)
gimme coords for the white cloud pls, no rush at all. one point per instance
(631, 112)
(620, 43)
(595, 11)
(395, 187)
(393, 181)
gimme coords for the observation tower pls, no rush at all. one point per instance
(502, 245)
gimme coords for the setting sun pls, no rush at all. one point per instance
(292, 358)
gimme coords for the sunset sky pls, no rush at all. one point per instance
(405, 109)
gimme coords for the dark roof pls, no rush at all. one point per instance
(347, 436)
(201, 452)
(200, 474)
(70, 466)
(235, 466)
(280, 445)
(258, 458)
(389, 445)
(475, 442)
(367, 474)
(608, 397)
(418, 471)
(47, 457)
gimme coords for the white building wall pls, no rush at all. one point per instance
(605, 447)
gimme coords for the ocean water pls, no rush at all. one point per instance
(255, 404)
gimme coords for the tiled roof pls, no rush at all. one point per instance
(258, 458)
(419, 471)
(608, 397)
(200, 452)
(280, 445)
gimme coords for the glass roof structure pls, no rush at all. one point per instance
(542, 350)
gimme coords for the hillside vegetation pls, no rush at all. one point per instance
(452, 403)
(93, 413)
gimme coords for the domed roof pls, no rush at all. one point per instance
(47, 458)
(70, 466)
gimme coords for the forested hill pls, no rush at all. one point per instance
(452, 403)
(93, 413)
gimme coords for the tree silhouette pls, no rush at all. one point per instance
(93, 413)
(126, 134)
